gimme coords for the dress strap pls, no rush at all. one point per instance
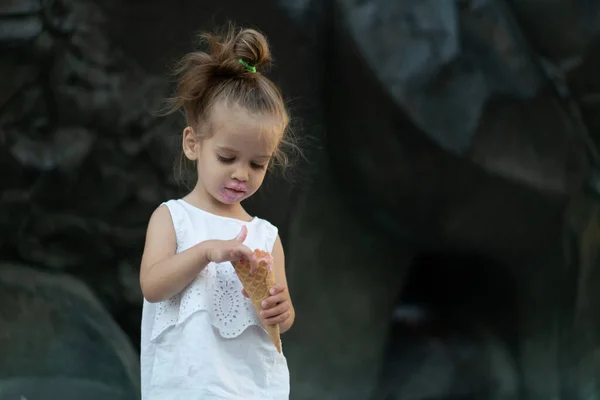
(181, 224)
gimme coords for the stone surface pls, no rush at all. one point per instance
(20, 7)
(465, 75)
(65, 150)
(497, 185)
(78, 136)
(57, 338)
(400, 178)
(428, 126)
(441, 62)
(431, 359)
(343, 299)
(67, 389)
(21, 30)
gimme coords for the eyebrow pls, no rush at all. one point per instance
(230, 150)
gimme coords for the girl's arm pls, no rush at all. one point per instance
(280, 277)
(164, 273)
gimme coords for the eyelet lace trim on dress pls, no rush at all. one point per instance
(217, 290)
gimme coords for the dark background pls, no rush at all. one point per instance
(441, 230)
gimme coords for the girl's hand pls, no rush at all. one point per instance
(231, 250)
(276, 307)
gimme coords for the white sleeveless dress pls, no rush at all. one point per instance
(207, 342)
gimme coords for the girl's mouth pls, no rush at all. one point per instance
(237, 187)
(232, 194)
(234, 191)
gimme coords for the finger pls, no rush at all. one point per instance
(253, 264)
(272, 301)
(240, 253)
(281, 318)
(242, 235)
(245, 293)
(278, 288)
(278, 309)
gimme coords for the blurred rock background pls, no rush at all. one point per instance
(441, 232)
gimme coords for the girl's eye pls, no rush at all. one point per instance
(257, 166)
(226, 160)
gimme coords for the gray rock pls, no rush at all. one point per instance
(19, 7)
(559, 30)
(343, 298)
(441, 63)
(129, 279)
(521, 152)
(297, 9)
(449, 124)
(84, 237)
(50, 388)
(67, 149)
(18, 30)
(439, 357)
(58, 340)
(14, 76)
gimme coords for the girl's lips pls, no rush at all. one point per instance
(232, 195)
(237, 187)
(234, 191)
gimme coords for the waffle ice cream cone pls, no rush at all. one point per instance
(257, 287)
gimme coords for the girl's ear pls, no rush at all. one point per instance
(190, 143)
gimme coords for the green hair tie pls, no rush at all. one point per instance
(249, 68)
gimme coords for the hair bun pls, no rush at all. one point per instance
(226, 51)
(252, 47)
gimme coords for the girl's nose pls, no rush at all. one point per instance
(240, 174)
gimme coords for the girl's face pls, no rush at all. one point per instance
(232, 161)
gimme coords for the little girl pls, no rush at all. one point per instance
(201, 337)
